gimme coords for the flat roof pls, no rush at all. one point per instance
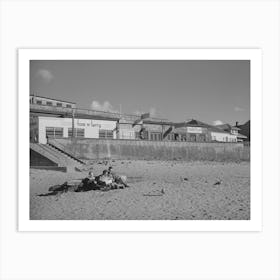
(33, 95)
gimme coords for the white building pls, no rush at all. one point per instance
(231, 133)
(223, 136)
(41, 100)
(53, 127)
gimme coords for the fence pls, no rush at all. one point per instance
(150, 150)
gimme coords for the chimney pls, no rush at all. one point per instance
(236, 124)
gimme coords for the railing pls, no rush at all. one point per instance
(94, 113)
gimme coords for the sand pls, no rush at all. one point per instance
(159, 190)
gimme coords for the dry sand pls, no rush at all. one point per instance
(190, 193)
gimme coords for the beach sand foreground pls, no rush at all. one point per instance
(160, 190)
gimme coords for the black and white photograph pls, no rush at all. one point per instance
(139, 139)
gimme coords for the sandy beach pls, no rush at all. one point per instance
(158, 190)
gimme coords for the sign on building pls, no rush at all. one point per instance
(191, 129)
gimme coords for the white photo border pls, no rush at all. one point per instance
(255, 222)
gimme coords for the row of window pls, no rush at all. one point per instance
(57, 132)
(49, 103)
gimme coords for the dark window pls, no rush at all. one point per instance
(59, 104)
(142, 134)
(49, 103)
(202, 137)
(155, 136)
(54, 132)
(79, 132)
(106, 134)
(171, 137)
(39, 102)
(68, 106)
(193, 137)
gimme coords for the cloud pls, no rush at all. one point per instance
(238, 109)
(106, 106)
(217, 122)
(152, 111)
(45, 75)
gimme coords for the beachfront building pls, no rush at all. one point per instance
(53, 127)
(191, 131)
(234, 131)
(49, 121)
(138, 128)
(41, 100)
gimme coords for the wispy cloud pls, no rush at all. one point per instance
(152, 111)
(106, 106)
(45, 75)
(217, 122)
(238, 109)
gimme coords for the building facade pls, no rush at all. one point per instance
(53, 127)
(66, 121)
(40, 100)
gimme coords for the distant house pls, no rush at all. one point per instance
(197, 131)
(233, 130)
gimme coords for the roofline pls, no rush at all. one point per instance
(34, 95)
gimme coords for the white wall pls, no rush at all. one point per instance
(91, 127)
(223, 137)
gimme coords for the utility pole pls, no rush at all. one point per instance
(73, 124)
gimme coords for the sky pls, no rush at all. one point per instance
(211, 91)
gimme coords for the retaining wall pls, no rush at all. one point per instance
(37, 159)
(149, 150)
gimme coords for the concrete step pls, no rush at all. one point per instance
(65, 157)
(60, 148)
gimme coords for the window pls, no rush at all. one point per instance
(141, 135)
(39, 102)
(202, 137)
(59, 104)
(79, 132)
(54, 132)
(68, 106)
(127, 134)
(171, 137)
(49, 103)
(106, 134)
(193, 137)
(155, 136)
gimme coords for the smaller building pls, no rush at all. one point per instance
(233, 130)
(41, 100)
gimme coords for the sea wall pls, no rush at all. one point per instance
(161, 150)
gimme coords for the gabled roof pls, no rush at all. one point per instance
(227, 126)
(196, 123)
(241, 136)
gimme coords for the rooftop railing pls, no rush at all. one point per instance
(86, 112)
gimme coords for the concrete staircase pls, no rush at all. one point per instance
(57, 156)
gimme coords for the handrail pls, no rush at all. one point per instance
(64, 110)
